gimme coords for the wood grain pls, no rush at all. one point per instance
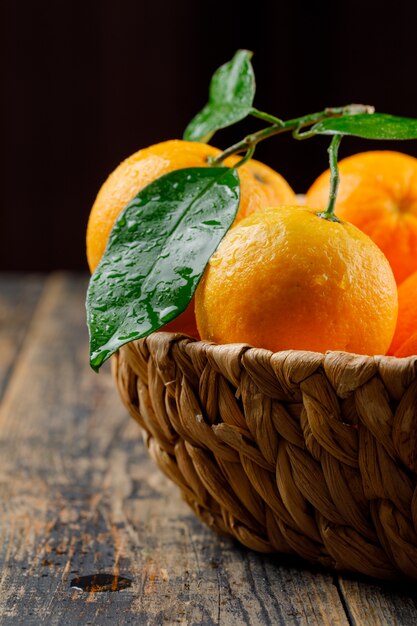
(19, 295)
(79, 495)
(382, 604)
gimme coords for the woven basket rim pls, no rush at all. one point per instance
(177, 336)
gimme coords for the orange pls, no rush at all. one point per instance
(408, 348)
(285, 278)
(407, 313)
(184, 323)
(260, 186)
(378, 194)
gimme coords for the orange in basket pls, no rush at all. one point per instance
(408, 348)
(378, 194)
(286, 278)
(407, 315)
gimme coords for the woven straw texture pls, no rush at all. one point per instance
(292, 452)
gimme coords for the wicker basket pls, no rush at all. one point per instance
(295, 452)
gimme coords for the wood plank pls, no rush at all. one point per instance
(79, 496)
(384, 604)
(19, 294)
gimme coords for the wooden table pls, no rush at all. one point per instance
(79, 496)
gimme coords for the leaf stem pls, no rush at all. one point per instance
(333, 150)
(278, 127)
(261, 115)
(248, 155)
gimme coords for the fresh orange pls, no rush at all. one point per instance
(260, 186)
(378, 194)
(407, 312)
(285, 278)
(408, 348)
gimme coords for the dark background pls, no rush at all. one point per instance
(85, 84)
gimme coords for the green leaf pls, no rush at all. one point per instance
(231, 94)
(369, 126)
(156, 255)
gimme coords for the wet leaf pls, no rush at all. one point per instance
(369, 126)
(156, 255)
(231, 94)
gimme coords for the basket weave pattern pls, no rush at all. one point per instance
(294, 452)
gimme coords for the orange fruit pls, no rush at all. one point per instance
(408, 348)
(407, 312)
(285, 278)
(184, 323)
(378, 194)
(260, 186)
